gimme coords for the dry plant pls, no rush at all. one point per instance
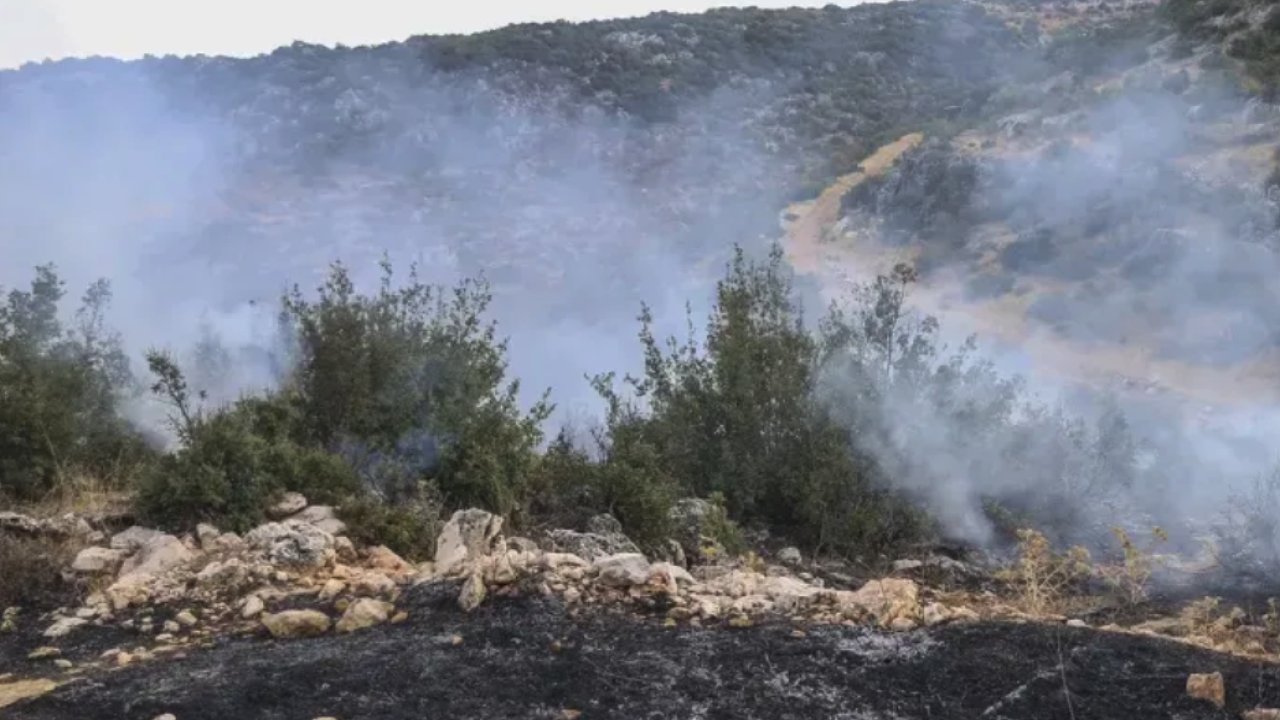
(1199, 616)
(1043, 576)
(1132, 576)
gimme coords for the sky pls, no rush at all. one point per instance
(33, 30)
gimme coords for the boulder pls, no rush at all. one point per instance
(622, 570)
(291, 503)
(690, 526)
(790, 556)
(383, 558)
(468, 536)
(158, 554)
(63, 626)
(323, 517)
(590, 546)
(1208, 687)
(473, 593)
(293, 543)
(207, 535)
(887, 600)
(373, 583)
(364, 613)
(228, 576)
(98, 561)
(133, 538)
(252, 607)
(296, 623)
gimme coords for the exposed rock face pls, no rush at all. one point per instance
(1207, 686)
(133, 538)
(323, 517)
(364, 613)
(468, 536)
(296, 623)
(293, 543)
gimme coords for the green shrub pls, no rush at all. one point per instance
(60, 392)
(409, 528)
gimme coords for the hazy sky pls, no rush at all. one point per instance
(38, 29)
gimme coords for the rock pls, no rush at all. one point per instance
(790, 556)
(44, 653)
(291, 503)
(887, 600)
(473, 593)
(468, 536)
(622, 570)
(63, 626)
(170, 627)
(555, 561)
(383, 558)
(128, 591)
(19, 690)
(935, 614)
(604, 524)
(97, 561)
(907, 565)
(591, 546)
(689, 520)
(323, 517)
(229, 576)
(296, 623)
(63, 664)
(158, 554)
(1207, 686)
(207, 535)
(133, 538)
(331, 589)
(1260, 714)
(293, 543)
(166, 716)
(675, 553)
(1077, 623)
(252, 607)
(345, 548)
(677, 573)
(364, 613)
(186, 618)
(372, 583)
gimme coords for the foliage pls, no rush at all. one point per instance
(32, 569)
(61, 390)
(1131, 577)
(1043, 577)
(409, 528)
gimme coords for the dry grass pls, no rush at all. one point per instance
(32, 569)
(1042, 578)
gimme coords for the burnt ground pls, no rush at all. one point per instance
(611, 666)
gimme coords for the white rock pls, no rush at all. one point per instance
(63, 626)
(158, 554)
(97, 561)
(133, 538)
(468, 536)
(296, 623)
(364, 613)
(208, 536)
(323, 517)
(293, 543)
(253, 606)
(622, 570)
(290, 503)
(790, 556)
(473, 593)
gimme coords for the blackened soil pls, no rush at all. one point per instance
(529, 659)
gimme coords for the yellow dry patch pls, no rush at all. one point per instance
(17, 691)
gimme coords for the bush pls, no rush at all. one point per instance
(409, 528)
(60, 391)
(32, 570)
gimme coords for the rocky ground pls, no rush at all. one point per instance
(295, 621)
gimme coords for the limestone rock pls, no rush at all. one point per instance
(591, 546)
(1207, 686)
(383, 558)
(364, 613)
(98, 561)
(473, 593)
(158, 554)
(790, 556)
(331, 589)
(622, 570)
(293, 543)
(229, 576)
(323, 517)
(290, 503)
(887, 600)
(133, 538)
(63, 627)
(207, 535)
(372, 583)
(468, 536)
(296, 623)
(252, 607)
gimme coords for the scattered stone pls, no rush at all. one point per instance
(253, 606)
(1260, 714)
(290, 503)
(166, 716)
(63, 626)
(1207, 686)
(468, 536)
(296, 623)
(44, 653)
(790, 556)
(63, 664)
(331, 589)
(170, 627)
(323, 517)
(345, 548)
(1077, 623)
(364, 613)
(622, 570)
(229, 576)
(207, 535)
(373, 583)
(887, 600)
(15, 692)
(907, 565)
(98, 561)
(472, 594)
(399, 617)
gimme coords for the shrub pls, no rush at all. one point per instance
(1131, 577)
(1043, 577)
(409, 528)
(32, 570)
(60, 390)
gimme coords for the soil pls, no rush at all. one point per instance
(528, 658)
